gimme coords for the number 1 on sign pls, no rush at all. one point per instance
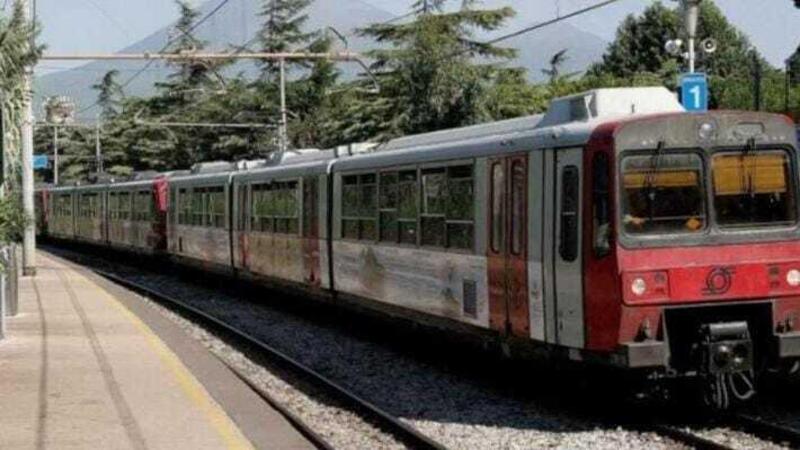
(696, 94)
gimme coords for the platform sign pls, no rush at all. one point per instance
(40, 162)
(694, 92)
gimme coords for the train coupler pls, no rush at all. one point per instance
(726, 363)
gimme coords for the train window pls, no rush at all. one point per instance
(663, 193)
(434, 206)
(276, 207)
(389, 226)
(241, 205)
(197, 212)
(447, 207)
(360, 207)
(142, 206)
(570, 201)
(310, 205)
(215, 207)
(519, 175)
(601, 216)
(754, 188)
(498, 225)
(124, 206)
(407, 199)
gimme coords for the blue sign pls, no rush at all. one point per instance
(40, 162)
(694, 92)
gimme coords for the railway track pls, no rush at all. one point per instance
(404, 433)
(782, 434)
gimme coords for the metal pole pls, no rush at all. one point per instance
(284, 127)
(55, 156)
(29, 237)
(691, 12)
(756, 82)
(98, 152)
(787, 87)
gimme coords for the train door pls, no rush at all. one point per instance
(311, 248)
(508, 245)
(566, 256)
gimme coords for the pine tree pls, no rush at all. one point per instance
(282, 31)
(109, 95)
(433, 73)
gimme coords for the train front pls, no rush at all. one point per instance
(701, 242)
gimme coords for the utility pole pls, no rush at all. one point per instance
(55, 156)
(98, 151)
(757, 75)
(283, 131)
(29, 236)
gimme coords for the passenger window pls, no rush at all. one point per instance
(601, 220)
(310, 205)
(434, 204)
(570, 187)
(360, 207)
(498, 186)
(276, 208)
(518, 207)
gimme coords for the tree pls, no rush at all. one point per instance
(17, 54)
(109, 95)
(793, 65)
(433, 74)
(282, 31)
(638, 49)
(556, 62)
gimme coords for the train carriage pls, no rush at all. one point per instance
(199, 228)
(137, 215)
(279, 230)
(61, 212)
(89, 214)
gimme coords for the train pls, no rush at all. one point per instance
(614, 230)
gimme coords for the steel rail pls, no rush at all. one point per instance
(690, 439)
(389, 423)
(775, 432)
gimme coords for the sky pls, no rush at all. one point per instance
(108, 25)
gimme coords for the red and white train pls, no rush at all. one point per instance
(616, 228)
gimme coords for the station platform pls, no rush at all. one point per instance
(87, 364)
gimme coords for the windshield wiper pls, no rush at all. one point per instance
(650, 180)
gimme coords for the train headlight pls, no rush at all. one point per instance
(639, 286)
(793, 277)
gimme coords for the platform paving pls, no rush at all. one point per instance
(79, 370)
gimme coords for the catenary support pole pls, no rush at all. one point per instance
(284, 128)
(98, 151)
(29, 236)
(55, 156)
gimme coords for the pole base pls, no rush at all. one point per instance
(29, 271)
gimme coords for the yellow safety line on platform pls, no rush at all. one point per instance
(222, 424)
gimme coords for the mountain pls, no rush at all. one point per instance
(237, 23)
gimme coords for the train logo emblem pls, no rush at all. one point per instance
(719, 281)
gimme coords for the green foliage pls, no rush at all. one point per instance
(429, 71)
(16, 54)
(282, 31)
(12, 220)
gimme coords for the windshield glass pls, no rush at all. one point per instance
(754, 188)
(663, 193)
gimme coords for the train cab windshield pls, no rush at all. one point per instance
(670, 193)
